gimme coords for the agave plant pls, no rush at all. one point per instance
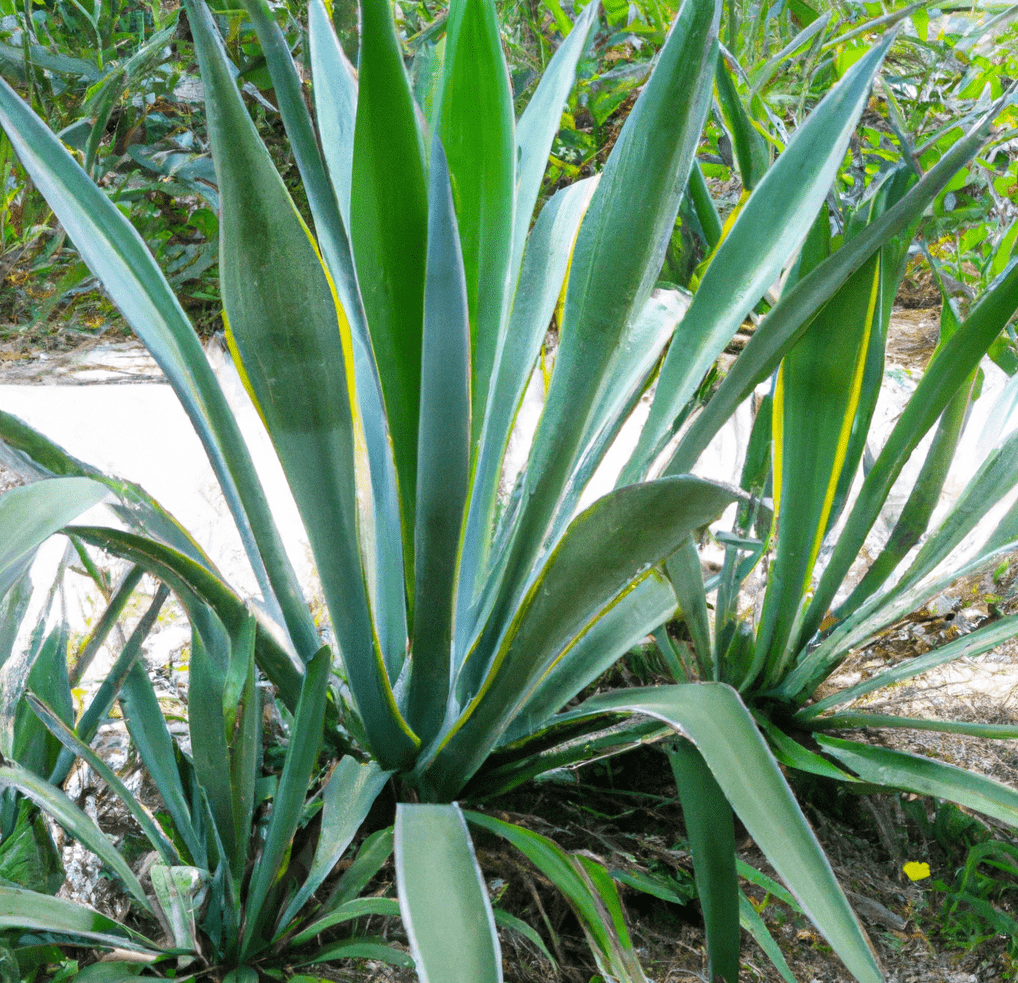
(388, 351)
(222, 887)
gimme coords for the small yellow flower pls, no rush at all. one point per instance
(916, 871)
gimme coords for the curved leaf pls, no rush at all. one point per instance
(443, 897)
(544, 269)
(346, 799)
(293, 344)
(29, 911)
(537, 126)
(67, 815)
(615, 263)
(770, 226)
(942, 380)
(116, 254)
(713, 717)
(790, 317)
(925, 776)
(331, 218)
(288, 804)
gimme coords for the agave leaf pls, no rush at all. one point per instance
(64, 812)
(649, 604)
(711, 829)
(29, 515)
(443, 898)
(751, 921)
(29, 911)
(443, 457)
(923, 499)
(543, 273)
(180, 892)
(713, 717)
(34, 452)
(147, 727)
(567, 739)
(760, 75)
(335, 96)
(790, 317)
(116, 254)
(293, 344)
(554, 863)
(604, 553)
(752, 154)
(362, 948)
(346, 799)
(537, 126)
(357, 908)
(385, 582)
(942, 380)
(925, 776)
(476, 126)
(966, 647)
(156, 836)
(389, 234)
(225, 728)
(204, 596)
(770, 226)
(827, 365)
(371, 856)
(615, 263)
(298, 767)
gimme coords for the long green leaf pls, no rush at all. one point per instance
(443, 897)
(556, 865)
(790, 317)
(649, 604)
(537, 126)
(298, 767)
(293, 343)
(29, 911)
(615, 263)
(389, 233)
(825, 372)
(29, 515)
(604, 553)
(543, 273)
(925, 776)
(64, 812)
(191, 581)
(156, 836)
(37, 454)
(147, 727)
(358, 908)
(711, 830)
(346, 799)
(713, 717)
(770, 226)
(942, 380)
(117, 255)
(210, 751)
(476, 126)
(751, 921)
(332, 220)
(969, 646)
(335, 97)
(443, 457)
